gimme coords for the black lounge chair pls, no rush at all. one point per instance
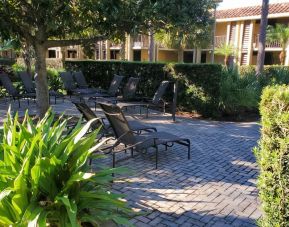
(88, 115)
(82, 84)
(143, 142)
(29, 86)
(12, 91)
(156, 101)
(128, 94)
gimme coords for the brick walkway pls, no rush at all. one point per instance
(217, 187)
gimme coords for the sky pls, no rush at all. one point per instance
(228, 4)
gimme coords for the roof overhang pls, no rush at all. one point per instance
(257, 17)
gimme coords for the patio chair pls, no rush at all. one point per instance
(147, 103)
(88, 115)
(82, 84)
(110, 93)
(124, 135)
(29, 86)
(128, 93)
(12, 91)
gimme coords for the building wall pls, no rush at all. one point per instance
(167, 56)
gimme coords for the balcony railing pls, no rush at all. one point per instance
(115, 45)
(141, 42)
(274, 44)
(219, 40)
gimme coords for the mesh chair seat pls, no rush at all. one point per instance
(125, 136)
(157, 138)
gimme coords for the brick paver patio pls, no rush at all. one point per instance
(217, 187)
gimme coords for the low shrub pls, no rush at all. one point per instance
(273, 156)
(199, 83)
(238, 94)
(45, 179)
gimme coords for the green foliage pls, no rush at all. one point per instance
(199, 83)
(45, 177)
(54, 80)
(239, 94)
(273, 156)
(226, 50)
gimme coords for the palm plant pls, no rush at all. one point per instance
(45, 179)
(226, 50)
(279, 33)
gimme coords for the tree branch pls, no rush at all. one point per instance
(70, 42)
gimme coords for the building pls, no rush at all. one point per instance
(238, 26)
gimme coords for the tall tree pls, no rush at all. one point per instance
(262, 37)
(279, 33)
(57, 23)
(187, 22)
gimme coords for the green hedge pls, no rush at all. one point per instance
(273, 156)
(199, 84)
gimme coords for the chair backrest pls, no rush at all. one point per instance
(8, 85)
(88, 114)
(114, 85)
(68, 81)
(27, 81)
(130, 88)
(118, 123)
(80, 79)
(160, 92)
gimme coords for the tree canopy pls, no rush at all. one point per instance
(55, 23)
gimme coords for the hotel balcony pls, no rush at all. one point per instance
(269, 45)
(141, 42)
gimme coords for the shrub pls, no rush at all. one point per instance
(273, 156)
(238, 94)
(45, 178)
(199, 83)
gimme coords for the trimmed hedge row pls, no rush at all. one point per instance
(199, 84)
(269, 70)
(273, 156)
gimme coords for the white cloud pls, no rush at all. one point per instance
(229, 4)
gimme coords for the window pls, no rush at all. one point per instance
(137, 55)
(72, 53)
(51, 53)
(188, 56)
(204, 57)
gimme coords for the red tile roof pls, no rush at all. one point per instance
(252, 11)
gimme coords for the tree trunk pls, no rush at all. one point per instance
(42, 94)
(151, 49)
(282, 57)
(27, 58)
(63, 57)
(181, 55)
(262, 38)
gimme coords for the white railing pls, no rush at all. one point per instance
(141, 41)
(274, 44)
(219, 40)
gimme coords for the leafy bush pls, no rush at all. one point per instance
(273, 156)
(199, 83)
(45, 178)
(238, 94)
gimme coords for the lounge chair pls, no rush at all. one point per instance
(128, 93)
(82, 84)
(124, 135)
(88, 115)
(29, 86)
(12, 91)
(157, 100)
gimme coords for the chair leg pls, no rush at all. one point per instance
(55, 99)
(19, 103)
(157, 151)
(95, 106)
(147, 111)
(131, 152)
(189, 150)
(113, 160)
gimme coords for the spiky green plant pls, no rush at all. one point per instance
(226, 50)
(45, 178)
